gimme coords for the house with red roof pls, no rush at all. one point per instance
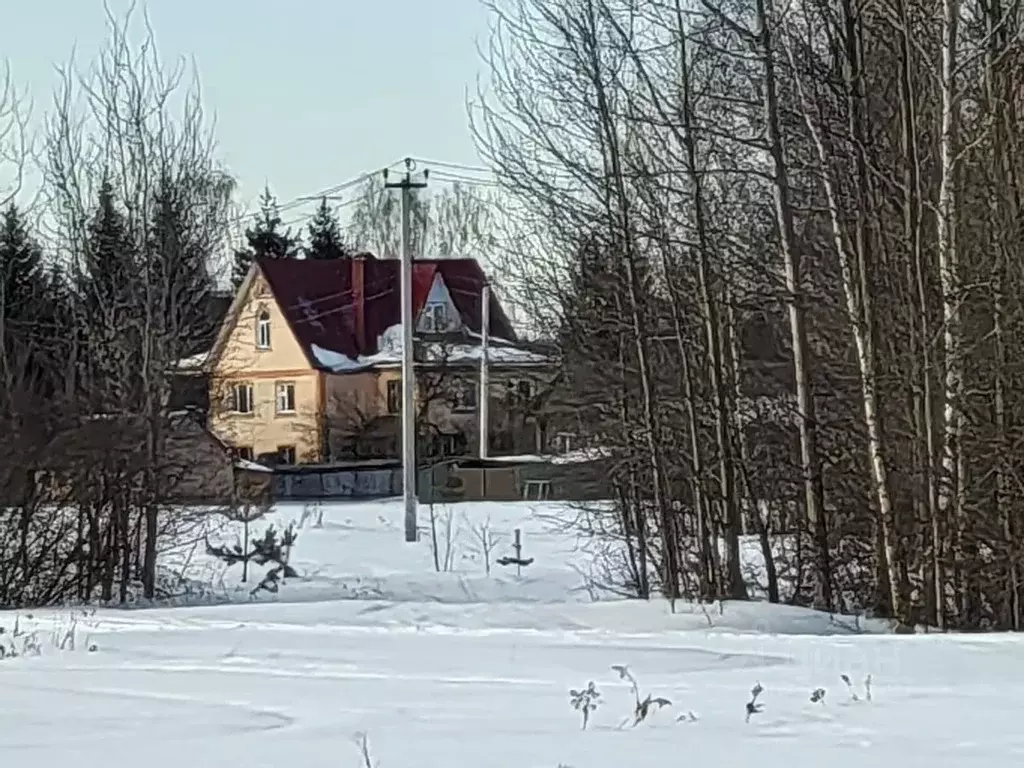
(306, 366)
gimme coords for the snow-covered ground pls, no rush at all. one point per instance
(464, 669)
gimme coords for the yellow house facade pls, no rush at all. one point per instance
(299, 368)
(265, 396)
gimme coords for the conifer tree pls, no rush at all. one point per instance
(20, 268)
(266, 238)
(178, 256)
(325, 238)
(22, 304)
(111, 263)
(112, 295)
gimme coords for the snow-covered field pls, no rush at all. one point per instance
(464, 669)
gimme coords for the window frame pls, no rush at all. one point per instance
(247, 387)
(565, 442)
(263, 327)
(465, 398)
(445, 441)
(431, 311)
(393, 401)
(281, 449)
(287, 388)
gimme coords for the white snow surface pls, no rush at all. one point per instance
(463, 669)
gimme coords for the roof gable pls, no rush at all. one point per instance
(346, 305)
(229, 320)
(438, 295)
(315, 297)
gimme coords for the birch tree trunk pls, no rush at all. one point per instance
(924, 396)
(710, 305)
(949, 494)
(856, 290)
(807, 420)
(618, 212)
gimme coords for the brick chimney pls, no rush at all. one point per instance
(359, 299)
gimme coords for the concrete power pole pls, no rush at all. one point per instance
(409, 499)
(485, 379)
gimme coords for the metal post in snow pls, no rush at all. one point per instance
(484, 399)
(407, 185)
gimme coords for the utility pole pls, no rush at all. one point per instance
(409, 499)
(485, 382)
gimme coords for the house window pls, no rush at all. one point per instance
(394, 396)
(519, 393)
(263, 329)
(286, 397)
(435, 317)
(242, 398)
(244, 452)
(463, 396)
(449, 445)
(564, 442)
(286, 454)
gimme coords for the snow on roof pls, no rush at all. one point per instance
(192, 363)
(390, 344)
(251, 466)
(572, 457)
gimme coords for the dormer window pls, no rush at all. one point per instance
(435, 318)
(263, 329)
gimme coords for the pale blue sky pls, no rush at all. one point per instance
(307, 93)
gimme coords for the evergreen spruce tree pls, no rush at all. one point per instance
(178, 261)
(265, 239)
(33, 332)
(21, 271)
(111, 263)
(325, 238)
(112, 295)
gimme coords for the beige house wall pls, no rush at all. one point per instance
(241, 361)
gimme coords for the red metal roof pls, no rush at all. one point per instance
(344, 305)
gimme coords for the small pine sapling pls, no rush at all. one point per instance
(753, 707)
(867, 687)
(271, 549)
(276, 551)
(643, 707)
(818, 696)
(585, 701)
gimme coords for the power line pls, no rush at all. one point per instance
(468, 180)
(449, 176)
(456, 166)
(306, 216)
(298, 202)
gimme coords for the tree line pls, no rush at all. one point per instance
(106, 284)
(108, 279)
(781, 246)
(456, 221)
